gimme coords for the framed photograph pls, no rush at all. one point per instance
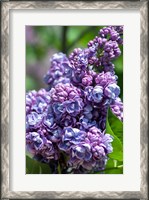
(74, 100)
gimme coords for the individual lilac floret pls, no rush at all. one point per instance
(79, 63)
(113, 32)
(37, 101)
(60, 70)
(73, 107)
(37, 104)
(55, 134)
(82, 74)
(111, 51)
(79, 59)
(109, 67)
(105, 78)
(33, 121)
(38, 144)
(63, 92)
(68, 121)
(49, 122)
(112, 91)
(30, 100)
(66, 99)
(94, 94)
(117, 108)
(70, 137)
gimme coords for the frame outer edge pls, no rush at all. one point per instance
(144, 100)
(5, 99)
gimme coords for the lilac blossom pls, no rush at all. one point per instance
(94, 94)
(60, 70)
(38, 144)
(68, 120)
(117, 108)
(88, 152)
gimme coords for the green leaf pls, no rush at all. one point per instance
(112, 167)
(116, 125)
(117, 153)
(111, 163)
(35, 167)
(114, 171)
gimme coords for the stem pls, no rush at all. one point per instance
(64, 36)
(59, 168)
(115, 163)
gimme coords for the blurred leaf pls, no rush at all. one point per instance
(111, 163)
(117, 153)
(31, 84)
(49, 36)
(116, 125)
(31, 56)
(114, 171)
(35, 167)
(79, 36)
(112, 167)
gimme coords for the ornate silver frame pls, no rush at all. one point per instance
(142, 6)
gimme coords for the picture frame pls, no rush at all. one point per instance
(6, 121)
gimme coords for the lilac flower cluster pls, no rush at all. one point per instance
(66, 122)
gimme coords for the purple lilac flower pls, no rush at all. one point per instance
(78, 59)
(66, 99)
(38, 144)
(105, 47)
(117, 108)
(94, 94)
(63, 92)
(33, 121)
(68, 120)
(91, 151)
(60, 70)
(113, 32)
(70, 137)
(112, 91)
(86, 123)
(55, 135)
(49, 122)
(110, 51)
(37, 101)
(105, 78)
(74, 107)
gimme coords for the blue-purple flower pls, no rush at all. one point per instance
(33, 120)
(112, 91)
(59, 71)
(117, 108)
(94, 94)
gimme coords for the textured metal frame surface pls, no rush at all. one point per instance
(142, 6)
